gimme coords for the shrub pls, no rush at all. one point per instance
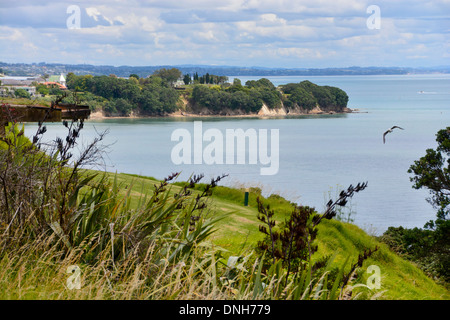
(290, 245)
(21, 93)
(430, 246)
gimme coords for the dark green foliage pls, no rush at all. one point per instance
(187, 79)
(169, 76)
(323, 96)
(430, 249)
(292, 242)
(432, 172)
(42, 89)
(150, 96)
(266, 91)
(21, 93)
(340, 97)
(430, 246)
(120, 107)
(210, 79)
(302, 98)
(94, 102)
(54, 91)
(307, 95)
(261, 83)
(154, 95)
(248, 98)
(219, 102)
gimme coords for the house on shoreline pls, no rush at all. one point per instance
(60, 81)
(8, 85)
(6, 91)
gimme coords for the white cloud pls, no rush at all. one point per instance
(239, 32)
(93, 12)
(10, 34)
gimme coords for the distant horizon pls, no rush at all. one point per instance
(225, 66)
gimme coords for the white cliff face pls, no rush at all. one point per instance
(265, 111)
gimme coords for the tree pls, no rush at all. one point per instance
(149, 101)
(323, 96)
(202, 96)
(134, 75)
(134, 81)
(429, 247)
(70, 79)
(21, 93)
(261, 83)
(302, 98)
(293, 242)
(55, 91)
(170, 76)
(340, 96)
(121, 106)
(432, 172)
(42, 89)
(222, 79)
(187, 79)
(168, 98)
(236, 86)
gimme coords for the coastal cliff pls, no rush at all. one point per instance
(262, 98)
(190, 109)
(157, 97)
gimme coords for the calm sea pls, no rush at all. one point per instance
(318, 154)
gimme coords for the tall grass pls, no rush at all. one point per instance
(69, 233)
(39, 270)
(68, 220)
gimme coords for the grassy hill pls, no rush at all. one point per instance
(238, 232)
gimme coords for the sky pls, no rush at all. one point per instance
(248, 33)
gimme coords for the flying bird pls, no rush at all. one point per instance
(389, 131)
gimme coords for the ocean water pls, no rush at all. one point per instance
(317, 154)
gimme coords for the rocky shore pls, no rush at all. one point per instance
(264, 112)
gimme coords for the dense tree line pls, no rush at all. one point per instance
(307, 95)
(251, 97)
(248, 98)
(153, 95)
(156, 95)
(205, 79)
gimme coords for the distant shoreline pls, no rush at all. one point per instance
(181, 114)
(22, 69)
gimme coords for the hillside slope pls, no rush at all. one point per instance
(238, 232)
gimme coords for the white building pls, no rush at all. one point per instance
(62, 80)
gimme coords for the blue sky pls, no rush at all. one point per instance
(284, 33)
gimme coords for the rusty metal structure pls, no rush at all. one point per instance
(31, 113)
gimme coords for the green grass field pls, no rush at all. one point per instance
(237, 233)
